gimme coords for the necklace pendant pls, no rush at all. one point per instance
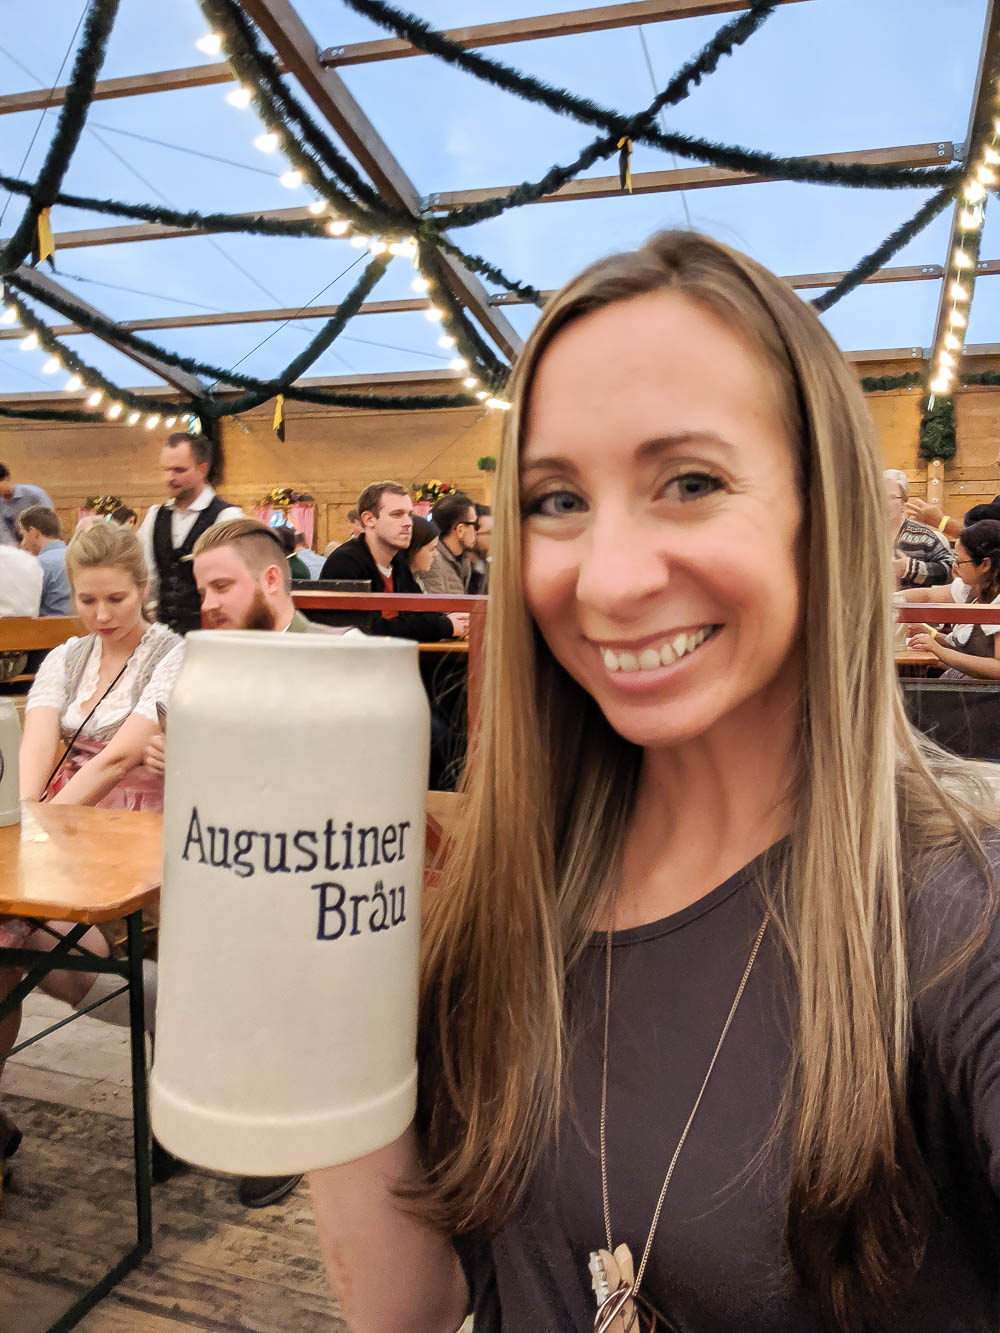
(612, 1277)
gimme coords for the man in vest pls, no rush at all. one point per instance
(170, 530)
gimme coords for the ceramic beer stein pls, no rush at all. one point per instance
(10, 744)
(296, 772)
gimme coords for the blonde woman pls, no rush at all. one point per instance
(91, 700)
(714, 972)
(88, 718)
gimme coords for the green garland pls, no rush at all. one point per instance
(884, 383)
(79, 94)
(937, 431)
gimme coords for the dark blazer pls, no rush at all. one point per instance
(353, 560)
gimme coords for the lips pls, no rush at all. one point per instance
(656, 655)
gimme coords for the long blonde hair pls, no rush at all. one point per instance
(107, 546)
(549, 788)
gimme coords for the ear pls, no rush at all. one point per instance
(272, 579)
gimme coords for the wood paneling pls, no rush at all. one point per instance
(332, 455)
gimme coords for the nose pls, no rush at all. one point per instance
(623, 564)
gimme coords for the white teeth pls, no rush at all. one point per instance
(649, 659)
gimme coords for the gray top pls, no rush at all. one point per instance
(56, 594)
(24, 497)
(718, 1262)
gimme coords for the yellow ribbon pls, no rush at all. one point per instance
(278, 424)
(625, 163)
(45, 246)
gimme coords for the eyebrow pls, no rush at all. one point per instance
(648, 451)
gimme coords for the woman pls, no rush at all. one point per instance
(970, 652)
(424, 540)
(681, 987)
(124, 517)
(90, 689)
(88, 718)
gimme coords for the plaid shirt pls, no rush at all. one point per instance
(929, 558)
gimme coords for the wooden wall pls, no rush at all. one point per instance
(333, 454)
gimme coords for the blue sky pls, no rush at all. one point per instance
(821, 76)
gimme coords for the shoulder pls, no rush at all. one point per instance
(158, 641)
(48, 690)
(350, 555)
(230, 512)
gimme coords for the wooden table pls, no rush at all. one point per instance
(911, 662)
(80, 866)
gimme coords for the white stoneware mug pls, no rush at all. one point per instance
(296, 772)
(10, 744)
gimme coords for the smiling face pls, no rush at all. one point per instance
(109, 602)
(663, 520)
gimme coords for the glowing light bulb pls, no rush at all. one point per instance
(951, 342)
(151, 421)
(9, 315)
(503, 405)
(240, 98)
(94, 399)
(434, 315)
(114, 411)
(946, 359)
(985, 177)
(317, 206)
(30, 343)
(957, 320)
(482, 395)
(470, 381)
(72, 384)
(957, 292)
(991, 156)
(962, 259)
(52, 365)
(446, 340)
(210, 43)
(377, 247)
(267, 143)
(940, 386)
(292, 179)
(337, 227)
(169, 422)
(458, 363)
(974, 192)
(420, 285)
(397, 248)
(359, 242)
(133, 418)
(970, 219)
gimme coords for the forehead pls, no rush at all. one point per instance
(103, 580)
(220, 563)
(648, 367)
(176, 455)
(394, 504)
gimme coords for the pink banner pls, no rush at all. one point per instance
(301, 516)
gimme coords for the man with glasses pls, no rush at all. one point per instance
(451, 571)
(921, 556)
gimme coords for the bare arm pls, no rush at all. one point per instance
(933, 516)
(105, 770)
(388, 1269)
(39, 750)
(939, 594)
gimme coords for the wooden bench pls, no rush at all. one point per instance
(27, 634)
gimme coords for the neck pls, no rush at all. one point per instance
(381, 551)
(697, 819)
(283, 615)
(119, 653)
(453, 544)
(188, 499)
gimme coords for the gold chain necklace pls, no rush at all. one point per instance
(615, 1282)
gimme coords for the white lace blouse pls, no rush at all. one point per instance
(49, 689)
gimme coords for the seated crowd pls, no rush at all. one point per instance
(94, 720)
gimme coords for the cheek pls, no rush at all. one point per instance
(549, 577)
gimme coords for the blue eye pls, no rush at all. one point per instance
(694, 485)
(557, 504)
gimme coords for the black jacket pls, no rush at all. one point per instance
(353, 560)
